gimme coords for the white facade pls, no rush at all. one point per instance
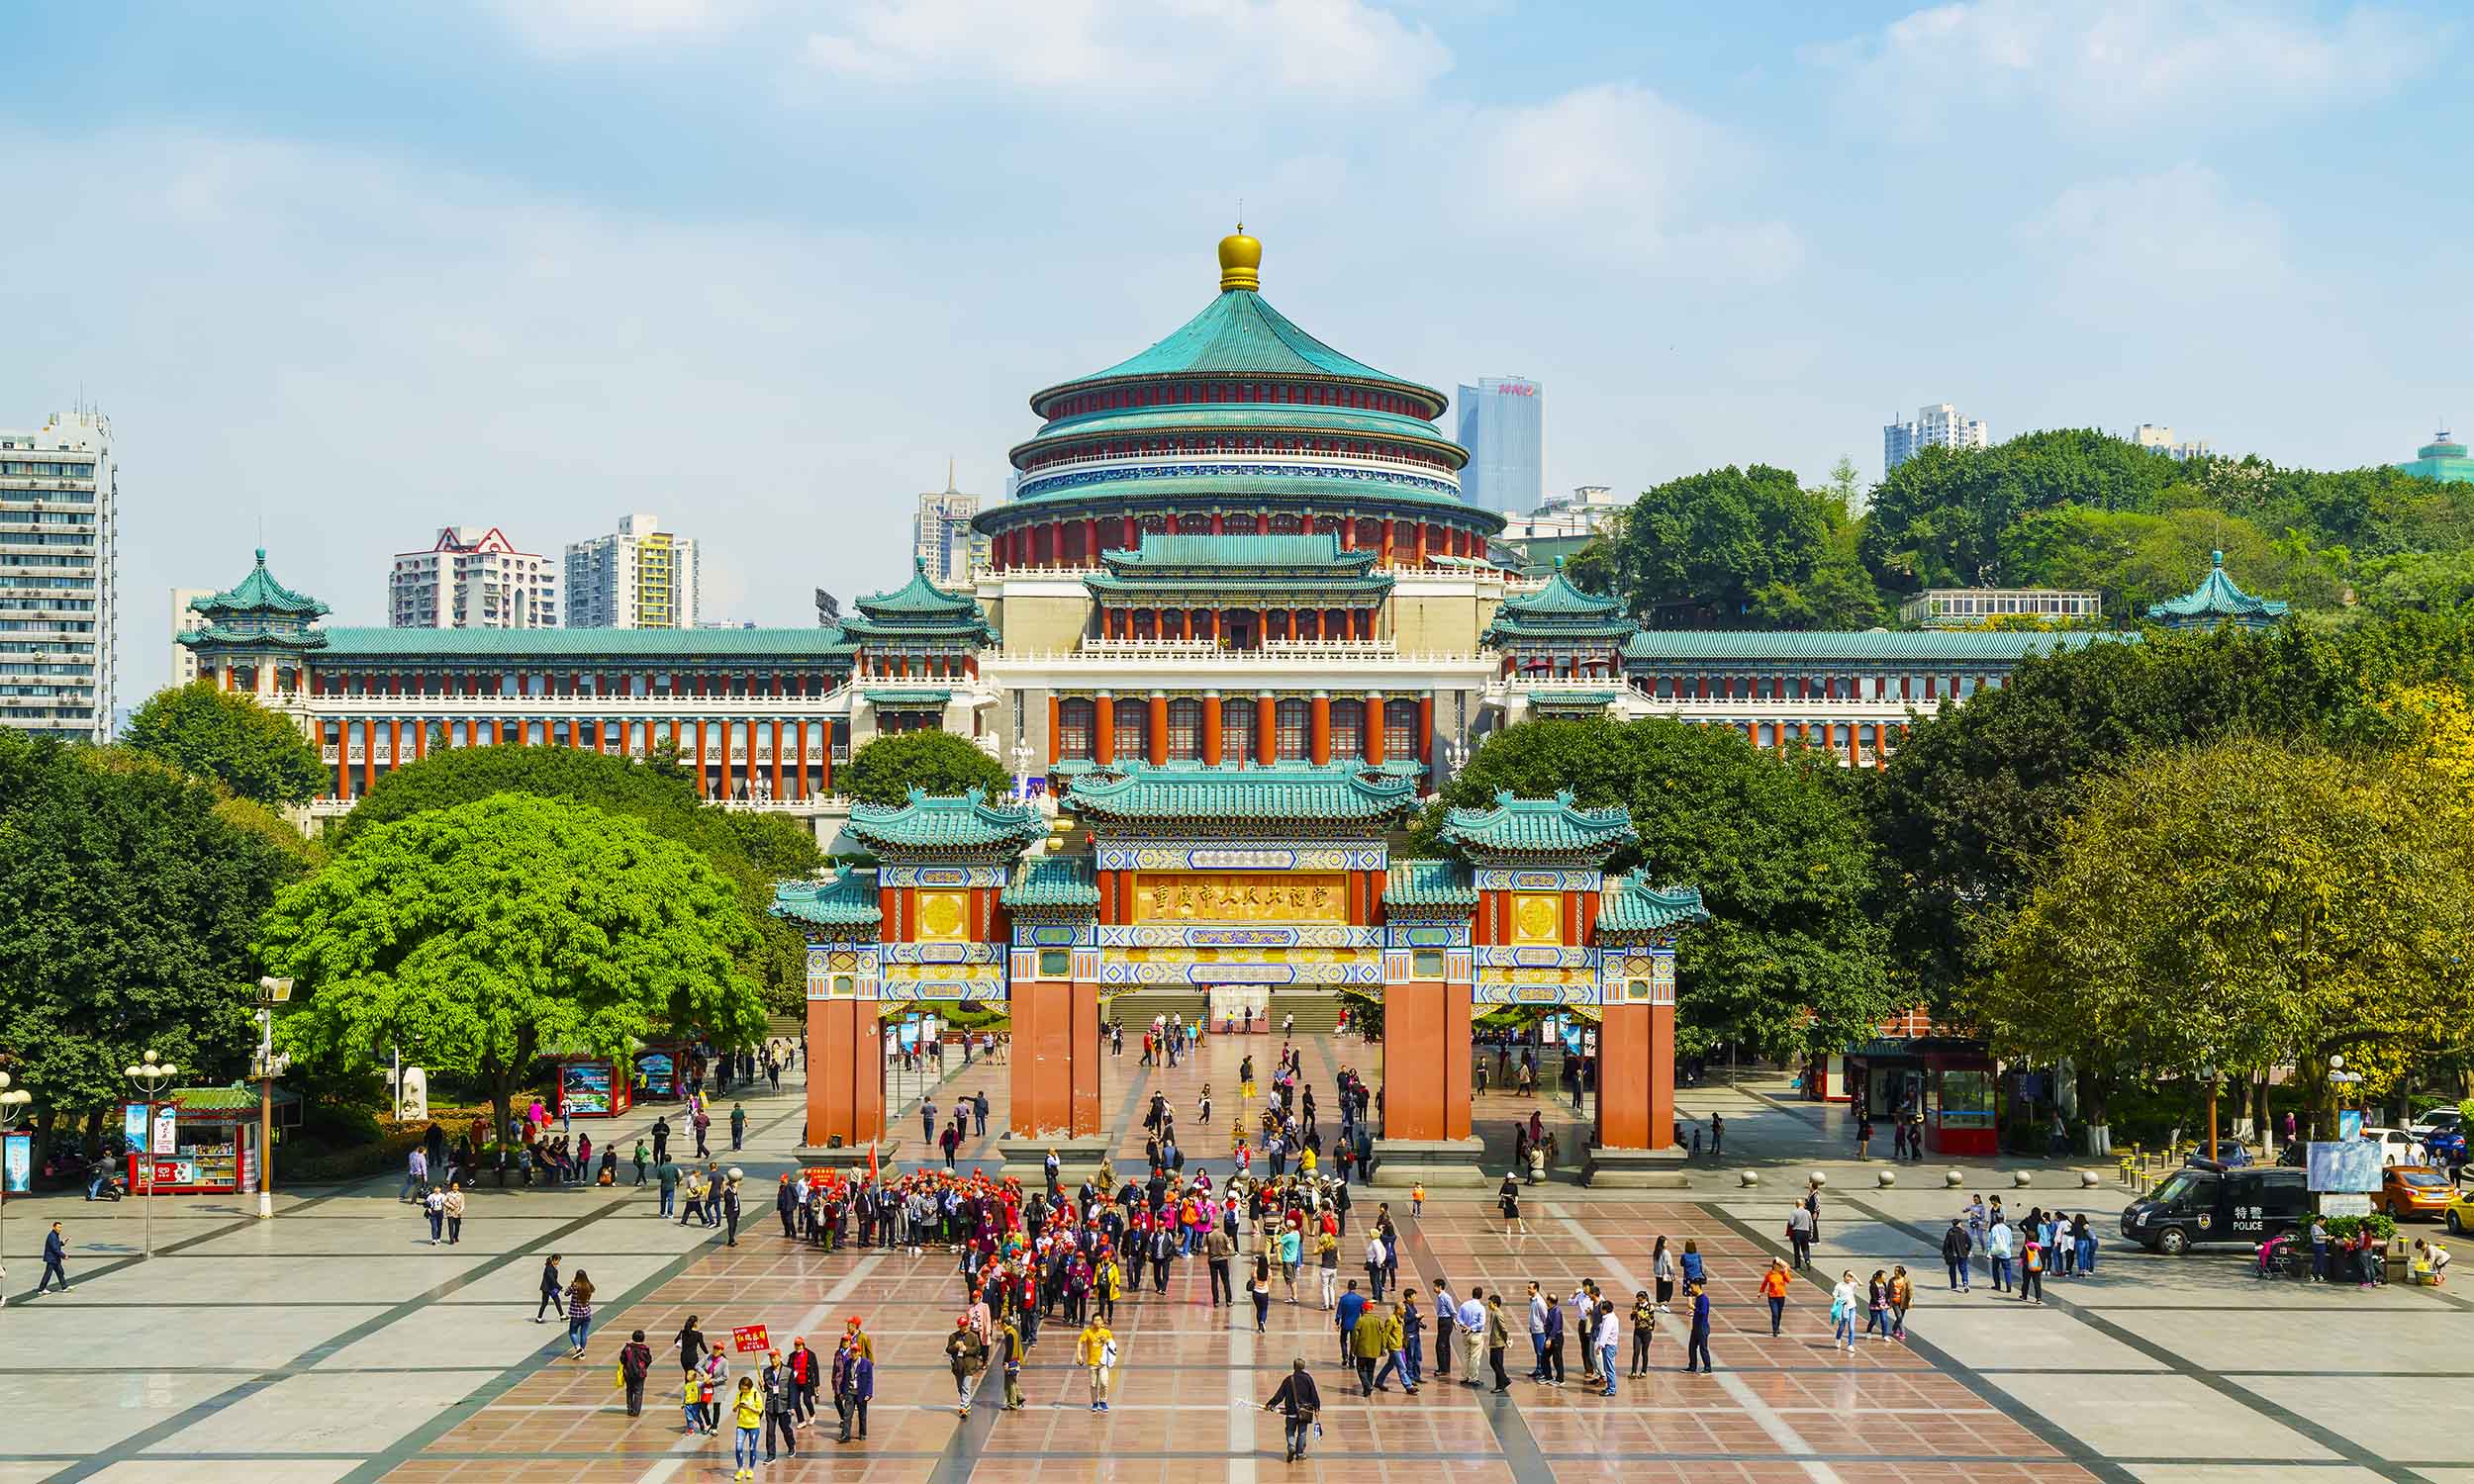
(2160, 437)
(1582, 512)
(473, 577)
(1964, 607)
(942, 543)
(1938, 425)
(59, 576)
(184, 659)
(639, 577)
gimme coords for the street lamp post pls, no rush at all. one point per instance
(270, 993)
(13, 1101)
(151, 1076)
(2208, 1073)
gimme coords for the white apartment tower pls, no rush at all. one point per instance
(1937, 426)
(2160, 437)
(473, 576)
(942, 543)
(639, 577)
(184, 659)
(59, 576)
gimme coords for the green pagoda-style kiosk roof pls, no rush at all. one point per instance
(946, 826)
(1637, 905)
(1053, 887)
(2216, 601)
(919, 609)
(1558, 611)
(1289, 794)
(1429, 888)
(846, 900)
(1536, 831)
(1240, 571)
(258, 611)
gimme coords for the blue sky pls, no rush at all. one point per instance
(350, 273)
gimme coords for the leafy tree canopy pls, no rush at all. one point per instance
(226, 736)
(752, 850)
(1794, 959)
(486, 935)
(132, 902)
(1705, 547)
(885, 769)
(2246, 904)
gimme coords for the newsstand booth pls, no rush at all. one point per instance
(200, 1140)
(593, 1086)
(657, 1073)
(1952, 1078)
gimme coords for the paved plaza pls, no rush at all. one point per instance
(336, 1344)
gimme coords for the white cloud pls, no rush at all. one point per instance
(1142, 48)
(2146, 243)
(566, 26)
(2111, 67)
(1616, 172)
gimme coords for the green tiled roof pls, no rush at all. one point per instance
(735, 645)
(1052, 883)
(224, 1100)
(259, 593)
(1538, 827)
(1115, 488)
(918, 597)
(911, 696)
(847, 900)
(1547, 700)
(949, 822)
(1559, 598)
(1875, 646)
(919, 609)
(1240, 333)
(305, 637)
(1287, 792)
(1429, 885)
(1319, 550)
(1639, 905)
(1558, 611)
(1246, 418)
(2216, 600)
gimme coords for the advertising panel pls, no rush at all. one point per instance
(2347, 1165)
(17, 1162)
(585, 1087)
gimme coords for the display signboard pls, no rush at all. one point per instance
(134, 1125)
(17, 1162)
(2350, 1123)
(2345, 1205)
(657, 1073)
(2345, 1166)
(166, 1132)
(586, 1088)
(750, 1340)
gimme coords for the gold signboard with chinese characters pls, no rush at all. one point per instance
(1239, 896)
(944, 916)
(1537, 917)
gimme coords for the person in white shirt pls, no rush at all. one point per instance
(1447, 1315)
(1377, 1257)
(1844, 1304)
(1997, 1247)
(1608, 1332)
(1472, 1320)
(1536, 1331)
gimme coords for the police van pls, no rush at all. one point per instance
(2205, 1201)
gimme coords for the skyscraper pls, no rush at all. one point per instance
(942, 543)
(1503, 427)
(59, 576)
(473, 576)
(185, 659)
(1937, 426)
(639, 577)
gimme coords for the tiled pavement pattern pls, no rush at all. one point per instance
(331, 1344)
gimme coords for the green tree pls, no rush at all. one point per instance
(226, 735)
(489, 933)
(131, 906)
(1705, 547)
(753, 851)
(2243, 903)
(1794, 960)
(1943, 518)
(885, 769)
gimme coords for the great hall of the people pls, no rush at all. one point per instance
(1235, 623)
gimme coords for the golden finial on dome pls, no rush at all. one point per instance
(1241, 262)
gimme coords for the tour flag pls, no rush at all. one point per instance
(750, 1340)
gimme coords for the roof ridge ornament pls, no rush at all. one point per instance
(1241, 262)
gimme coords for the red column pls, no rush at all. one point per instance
(1318, 732)
(845, 1072)
(1386, 558)
(1104, 728)
(1374, 728)
(1211, 721)
(369, 755)
(1265, 730)
(777, 759)
(1091, 542)
(701, 788)
(1637, 1077)
(421, 740)
(1054, 741)
(344, 759)
(1159, 727)
(1426, 1062)
(825, 774)
(1417, 553)
(1424, 741)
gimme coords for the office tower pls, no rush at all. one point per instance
(639, 577)
(184, 659)
(1937, 426)
(59, 575)
(1503, 427)
(942, 543)
(2160, 437)
(2443, 459)
(473, 576)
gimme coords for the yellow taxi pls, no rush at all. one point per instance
(2460, 1215)
(2412, 1190)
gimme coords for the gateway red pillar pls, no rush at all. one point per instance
(845, 1072)
(1426, 1060)
(1637, 1077)
(1056, 1059)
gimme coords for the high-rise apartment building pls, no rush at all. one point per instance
(473, 577)
(1503, 427)
(2160, 437)
(942, 543)
(185, 620)
(1937, 426)
(59, 575)
(638, 576)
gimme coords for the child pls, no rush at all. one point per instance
(1417, 1199)
(693, 1403)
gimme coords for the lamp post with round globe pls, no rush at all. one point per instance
(13, 1101)
(150, 1074)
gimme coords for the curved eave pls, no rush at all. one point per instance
(1372, 380)
(1205, 419)
(1327, 495)
(307, 639)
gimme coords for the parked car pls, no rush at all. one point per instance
(2397, 1146)
(2210, 1202)
(2460, 1213)
(2231, 1154)
(2411, 1190)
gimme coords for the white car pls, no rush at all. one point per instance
(2397, 1146)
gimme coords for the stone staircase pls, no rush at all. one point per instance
(1135, 1008)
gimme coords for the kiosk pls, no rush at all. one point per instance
(200, 1140)
(593, 1086)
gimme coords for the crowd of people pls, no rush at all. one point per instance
(2018, 1255)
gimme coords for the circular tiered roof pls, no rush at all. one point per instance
(1242, 422)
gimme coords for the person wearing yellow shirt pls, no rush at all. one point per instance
(1095, 1350)
(747, 1415)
